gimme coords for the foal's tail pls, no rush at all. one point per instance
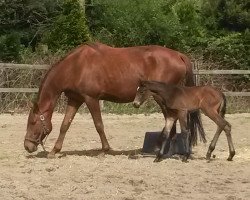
(195, 123)
(223, 106)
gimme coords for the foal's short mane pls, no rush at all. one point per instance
(155, 85)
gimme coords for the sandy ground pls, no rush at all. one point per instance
(82, 172)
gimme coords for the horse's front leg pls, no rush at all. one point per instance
(71, 110)
(165, 132)
(94, 108)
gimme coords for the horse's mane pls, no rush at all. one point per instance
(93, 45)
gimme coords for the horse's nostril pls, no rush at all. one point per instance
(30, 147)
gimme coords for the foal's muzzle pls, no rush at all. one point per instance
(136, 104)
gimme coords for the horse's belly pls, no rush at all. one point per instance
(119, 97)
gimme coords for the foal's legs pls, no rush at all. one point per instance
(222, 125)
(213, 142)
(182, 116)
(162, 135)
(71, 110)
(94, 108)
(169, 124)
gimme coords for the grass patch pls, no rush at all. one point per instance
(148, 107)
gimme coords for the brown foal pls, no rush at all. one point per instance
(179, 101)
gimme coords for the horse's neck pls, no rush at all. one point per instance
(48, 95)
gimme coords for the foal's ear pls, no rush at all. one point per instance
(142, 83)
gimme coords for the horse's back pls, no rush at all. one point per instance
(106, 72)
(151, 60)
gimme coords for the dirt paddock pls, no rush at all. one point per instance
(81, 171)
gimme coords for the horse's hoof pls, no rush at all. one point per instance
(51, 155)
(106, 149)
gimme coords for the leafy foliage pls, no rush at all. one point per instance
(215, 29)
(69, 28)
(10, 46)
(126, 23)
(27, 20)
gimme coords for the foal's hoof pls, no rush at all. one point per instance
(51, 156)
(158, 159)
(208, 156)
(230, 159)
(185, 160)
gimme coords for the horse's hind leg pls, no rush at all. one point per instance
(94, 108)
(71, 110)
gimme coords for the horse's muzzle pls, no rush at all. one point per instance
(30, 146)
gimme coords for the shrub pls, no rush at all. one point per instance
(10, 47)
(69, 29)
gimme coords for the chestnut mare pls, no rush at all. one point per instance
(178, 101)
(94, 72)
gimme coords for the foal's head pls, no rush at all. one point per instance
(142, 94)
(39, 125)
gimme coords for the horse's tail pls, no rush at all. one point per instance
(189, 71)
(195, 123)
(223, 106)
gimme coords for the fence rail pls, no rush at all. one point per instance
(196, 72)
(45, 67)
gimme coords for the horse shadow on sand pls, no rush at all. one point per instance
(131, 154)
(90, 153)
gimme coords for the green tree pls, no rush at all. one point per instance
(22, 23)
(135, 22)
(10, 47)
(69, 28)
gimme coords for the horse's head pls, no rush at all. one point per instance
(39, 125)
(142, 94)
